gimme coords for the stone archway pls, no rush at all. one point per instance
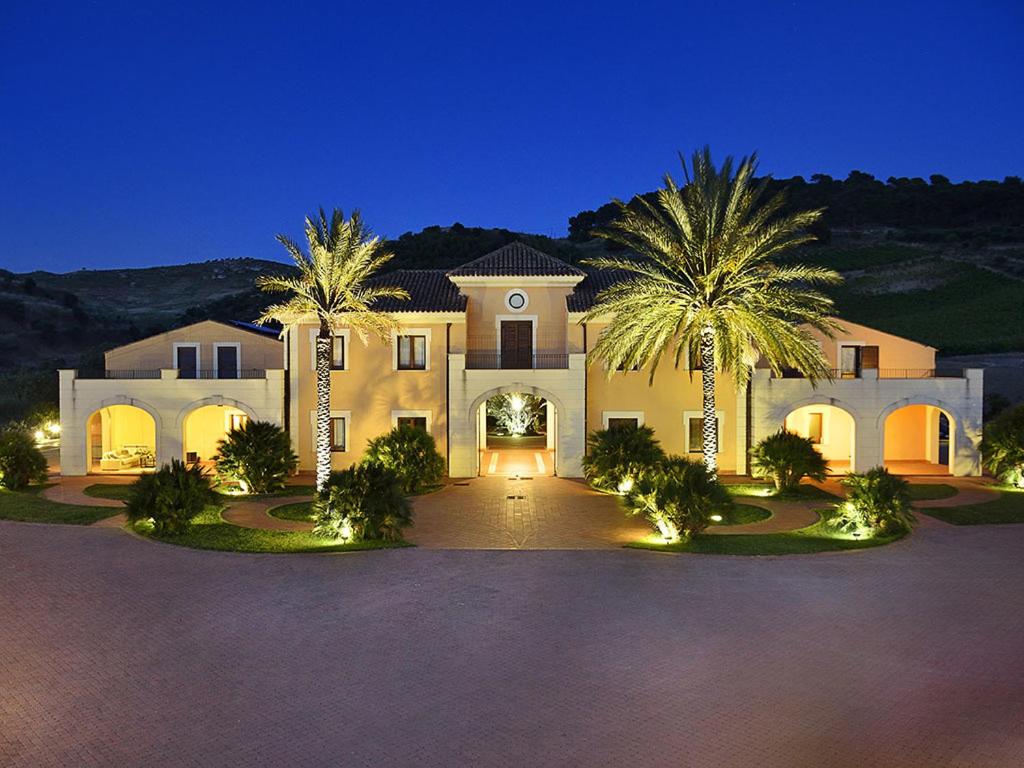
(535, 461)
(910, 442)
(831, 428)
(122, 434)
(179, 447)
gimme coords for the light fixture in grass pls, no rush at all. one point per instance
(786, 458)
(170, 498)
(678, 497)
(364, 502)
(1002, 447)
(618, 455)
(877, 504)
(410, 453)
(258, 456)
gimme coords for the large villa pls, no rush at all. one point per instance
(508, 322)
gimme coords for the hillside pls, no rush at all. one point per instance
(960, 296)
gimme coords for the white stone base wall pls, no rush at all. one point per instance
(167, 399)
(564, 389)
(869, 400)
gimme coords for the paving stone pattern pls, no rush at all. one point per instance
(116, 651)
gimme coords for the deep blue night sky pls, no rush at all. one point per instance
(154, 133)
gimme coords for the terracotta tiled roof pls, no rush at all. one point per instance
(582, 298)
(430, 290)
(517, 260)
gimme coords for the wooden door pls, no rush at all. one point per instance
(516, 344)
(227, 362)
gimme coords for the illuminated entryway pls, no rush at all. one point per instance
(917, 440)
(120, 439)
(205, 427)
(516, 435)
(831, 429)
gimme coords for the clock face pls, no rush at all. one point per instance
(516, 300)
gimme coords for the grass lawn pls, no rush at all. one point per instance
(927, 491)
(741, 514)
(805, 541)
(209, 531)
(1008, 508)
(29, 507)
(301, 511)
(288, 490)
(120, 492)
(805, 492)
(107, 491)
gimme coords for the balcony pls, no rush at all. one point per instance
(487, 353)
(170, 373)
(884, 373)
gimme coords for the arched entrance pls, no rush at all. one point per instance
(917, 439)
(120, 439)
(832, 430)
(516, 435)
(204, 428)
(516, 431)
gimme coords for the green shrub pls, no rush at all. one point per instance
(21, 462)
(877, 502)
(363, 502)
(1002, 448)
(617, 456)
(258, 456)
(678, 497)
(786, 458)
(172, 497)
(411, 454)
(516, 413)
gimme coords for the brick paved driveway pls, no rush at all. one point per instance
(120, 652)
(513, 513)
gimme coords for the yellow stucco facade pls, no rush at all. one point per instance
(512, 321)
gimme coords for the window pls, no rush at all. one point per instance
(855, 357)
(694, 423)
(338, 353)
(237, 421)
(338, 433)
(620, 422)
(517, 300)
(611, 419)
(339, 349)
(814, 427)
(849, 362)
(419, 422)
(340, 422)
(186, 360)
(412, 353)
(226, 359)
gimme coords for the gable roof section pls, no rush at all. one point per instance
(429, 290)
(268, 334)
(262, 330)
(517, 260)
(584, 297)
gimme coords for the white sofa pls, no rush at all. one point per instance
(111, 461)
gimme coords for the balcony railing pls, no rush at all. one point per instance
(539, 351)
(156, 373)
(121, 373)
(490, 359)
(887, 373)
(244, 373)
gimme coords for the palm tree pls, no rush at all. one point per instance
(704, 286)
(332, 286)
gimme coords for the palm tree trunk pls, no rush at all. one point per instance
(323, 407)
(707, 375)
